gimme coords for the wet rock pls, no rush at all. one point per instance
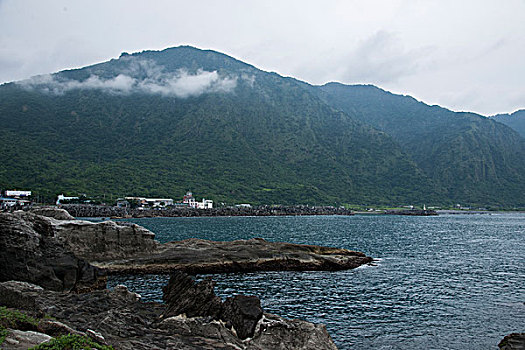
(197, 256)
(30, 251)
(242, 312)
(123, 292)
(514, 341)
(183, 296)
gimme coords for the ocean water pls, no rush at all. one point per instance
(443, 282)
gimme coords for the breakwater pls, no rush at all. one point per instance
(82, 210)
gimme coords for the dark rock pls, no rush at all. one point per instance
(514, 341)
(242, 312)
(183, 296)
(30, 251)
(128, 324)
(274, 332)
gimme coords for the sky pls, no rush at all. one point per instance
(463, 55)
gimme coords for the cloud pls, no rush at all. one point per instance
(381, 58)
(140, 76)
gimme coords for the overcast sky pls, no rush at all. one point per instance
(463, 55)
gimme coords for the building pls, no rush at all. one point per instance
(61, 198)
(192, 203)
(189, 200)
(17, 194)
(151, 202)
(7, 202)
(15, 198)
(205, 204)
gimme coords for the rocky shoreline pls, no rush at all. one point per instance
(53, 286)
(55, 270)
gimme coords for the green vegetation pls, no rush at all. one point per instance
(471, 159)
(16, 320)
(515, 120)
(71, 342)
(272, 140)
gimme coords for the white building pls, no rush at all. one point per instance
(192, 203)
(17, 194)
(205, 204)
(152, 202)
(62, 198)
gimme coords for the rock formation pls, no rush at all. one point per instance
(197, 256)
(56, 254)
(514, 341)
(129, 248)
(115, 318)
(183, 296)
(31, 251)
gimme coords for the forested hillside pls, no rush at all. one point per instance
(159, 123)
(162, 123)
(473, 158)
(514, 120)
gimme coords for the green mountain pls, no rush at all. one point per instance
(159, 123)
(515, 120)
(473, 159)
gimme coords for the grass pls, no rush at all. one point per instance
(18, 320)
(71, 342)
(14, 319)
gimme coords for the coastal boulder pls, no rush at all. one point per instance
(514, 341)
(242, 312)
(31, 252)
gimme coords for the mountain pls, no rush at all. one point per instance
(159, 123)
(474, 159)
(515, 120)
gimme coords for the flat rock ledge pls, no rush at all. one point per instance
(126, 248)
(197, 256)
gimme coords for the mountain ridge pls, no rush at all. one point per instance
(163, 122)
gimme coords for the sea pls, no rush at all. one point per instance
(438, 282)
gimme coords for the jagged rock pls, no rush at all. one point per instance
(128, 324)
(274, 332)
(183, 296)
(123, 292)
(242, 312)
(30, 251)
(514, 341)
(52, 212)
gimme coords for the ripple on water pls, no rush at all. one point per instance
(446, 282)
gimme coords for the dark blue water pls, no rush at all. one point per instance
(445, 282)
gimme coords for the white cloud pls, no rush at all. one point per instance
(143, 76)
